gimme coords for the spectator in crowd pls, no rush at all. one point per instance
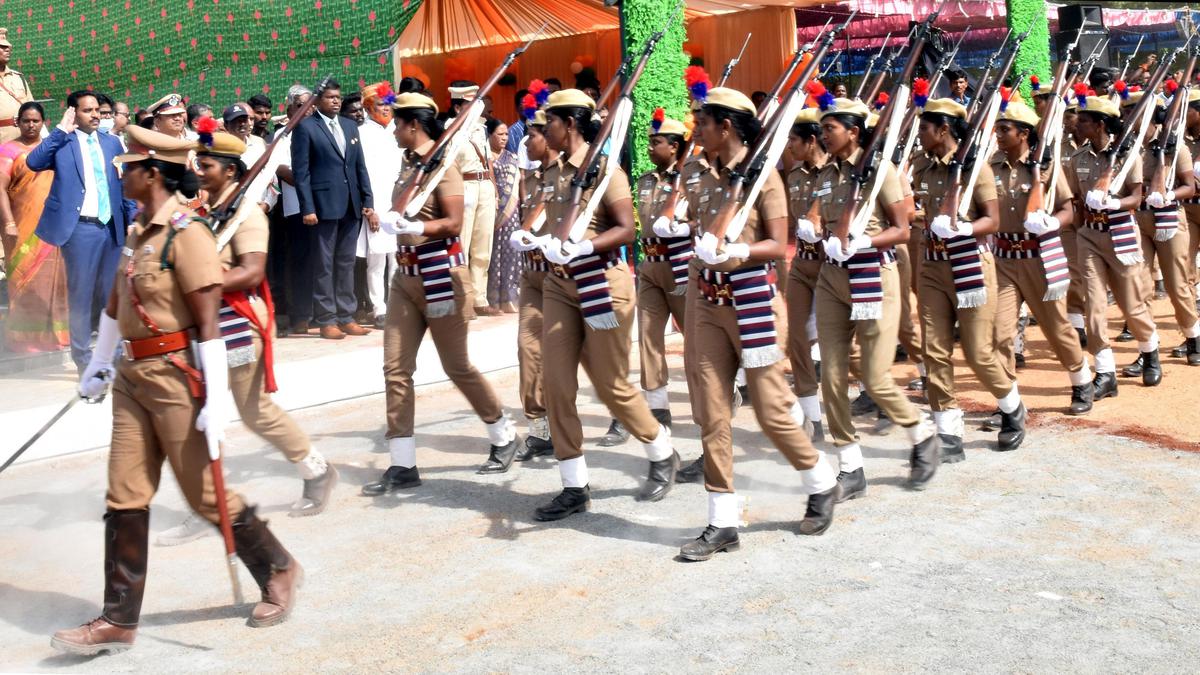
(86, 216)
(958, 84)
(140, 117)
(107, 119)
(375, 246)
(120, 117)
(839, 89)
(479, 197)
(757, 99)
(170, 117)
(261, 105)
(239, 122)
(330, 174)
(505, 270)
(410, 85)
(195, 112)
(553, 84)
(516, 131)
(352, 108)
(14, 90)
(37, 283)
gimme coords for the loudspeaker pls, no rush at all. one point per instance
(1086, 21)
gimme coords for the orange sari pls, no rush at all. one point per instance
(37, 282)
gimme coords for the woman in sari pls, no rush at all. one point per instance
(504, 275)
(37, 282)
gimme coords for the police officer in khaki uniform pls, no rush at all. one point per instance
(474, 164)
(1111, 259)
(429, 294)
(957, 283)
(1027, 255)
(727, 329)
(170, 116)
(164, 302)
(1192, 206)
(14, 90)
(596, 336)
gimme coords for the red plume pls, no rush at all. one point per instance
(920, 87)
(1171, 86)
(659, 114)
(881, 101)
(1081, 89)
(694, 74)
(206, 125)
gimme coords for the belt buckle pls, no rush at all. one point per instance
(126, 352)
(939, 246)
(559, 270)
(723, 291)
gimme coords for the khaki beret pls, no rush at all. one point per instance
(224, 145)
(1017, 111)
(148, 144)
(808, 116)
(570, 98)
(539, 119)
(846, 106)
(413, 100)
(1101, 105)
(669, 126)
(945, 106)
(731, 99)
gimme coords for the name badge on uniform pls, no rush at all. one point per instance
(693, 180)
(793, 188)
(1026, 187)
(148, 250)
(924, 186)
(823, 191)
(645, 193)
(548, 189)
(666, 189)
(1083, 171)
(704, 198)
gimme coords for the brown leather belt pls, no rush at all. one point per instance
(656, 249)
(156, 345)
(477, 175)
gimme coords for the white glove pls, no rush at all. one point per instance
(833, 247)
(522, 240)
(942, 226)
(1158, 200)
(563, 252)
(1040, 222)
(681, 209)
(737, 251)
(806, 231)
(214, 416)
(706, 248)
(1099, 200)
(395, 224)
(98, 374)
(670, 228)
(1196, 170)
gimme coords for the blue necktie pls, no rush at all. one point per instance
(103, 208)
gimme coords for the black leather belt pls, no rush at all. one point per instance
(94, 221)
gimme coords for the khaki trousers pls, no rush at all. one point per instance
(568, 342)
(717, 354)
(1024, 280)
(1102, 271)
(154, 418)
(1077, 291)
(529, 344)
(656, 304)
(907, 267)
(1174, 263)
(478, 228)
(403, 332)
(976, 329)
(1193, 221)
(259, 412)
(802, 288)
(877, 342)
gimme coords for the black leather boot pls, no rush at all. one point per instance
(1104, 386)
(277, 573)
(534, 447)
(1012, 429)
(853, 485)
(952, 448)
(567, 502)
(1134, 369)
(924, 460)
(712, 541)
(395, 478)
(1081, 398)
(1151, 369)
(616, 435)
(819, 514)
(1193, 351)
(1124, 335)
(500, 457)
(863, 405)
(818, 434)
(1180, 351)
(692, 473)
(1082, 337)
(662, 415)
(660, 479)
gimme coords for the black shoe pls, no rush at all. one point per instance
(617, 435)
(744, 392)
(1160, 290)
(1180, 351)
(853, 485)
(692, 473)
(1134, 369)
(817, 371)
(1151, 369)
(1020, 359)
(952, 449)
(1012, 429)
(663, 416)
(534, 447)
(819, 514)
(500, 457)
(1124, 335)
(712, 541)
(1104, 385)
(570, 500)
(1193, 351)
(924, 460)
(1081, 399)
(1082, 337)
(918, 384)
(863, 405)
(818, 434)
(901, 355)
(660, 479)
(395, 478)
(993, 421)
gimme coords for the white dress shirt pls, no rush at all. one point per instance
(91, 198)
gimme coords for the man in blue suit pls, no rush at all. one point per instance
(334, 191)
(85, 214)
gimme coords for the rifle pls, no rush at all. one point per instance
(1141, 38)
(733, 62)
(412, 197)
(863, 170)
(1168, 136)
(900, 156)
(590, 166)
(992, 64)
(873, 91)
(771, 101)
(1043, 153)
(871, 66)
(1093, 59)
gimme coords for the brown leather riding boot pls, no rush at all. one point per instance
(276, 571)
(126, 547)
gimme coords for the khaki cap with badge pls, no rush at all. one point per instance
(171, 104)
(570, 98)
(223, 145)
(4, 38)
(414, 100)
(148, 144)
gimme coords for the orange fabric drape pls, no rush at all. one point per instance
(771, 47)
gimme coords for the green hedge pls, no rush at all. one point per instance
(661, 86)
(1035, 51)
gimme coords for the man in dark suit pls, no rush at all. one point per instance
(334, 190)
(85, 214)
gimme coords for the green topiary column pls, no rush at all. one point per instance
(1035, 51)
(661, 85)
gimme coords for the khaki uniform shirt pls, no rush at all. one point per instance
(468, 160)
(251, 236)
(535, 190)
(653, 188)
(451, 185)
(194, 266)
(802, 183)
(834, 187)
(931, 180)
(560, 174)
(710, 195)
(13, 92)
(1183, 165)
(1085, 167)
(1013, 183)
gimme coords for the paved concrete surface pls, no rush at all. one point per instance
(1076, 553)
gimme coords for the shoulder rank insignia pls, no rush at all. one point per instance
(179, 221)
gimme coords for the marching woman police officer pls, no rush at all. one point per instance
(728, 327)
(429, 293)
(165, 398)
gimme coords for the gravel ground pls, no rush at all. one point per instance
(1075, 553)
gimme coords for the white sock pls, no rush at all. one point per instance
(1081, 376)
(574, 472)
(811, 406)
(815, 352)
(403, 451)
(797, 413)
(502, 431)
(1192, 332)
(723, 509)
(740, 378)
(539, 427)
(1105, 361)
(920, 431)
(849, 457)
(1076, 321)
(1150, 345)
(656, 398)
(921, 370)
(1010, 401)
(660, 448)
(820, 478)
(949, 422)
(313, 465)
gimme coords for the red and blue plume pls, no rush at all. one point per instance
(920, 91)
(1005, 95)
(697, 81)
(384, 93)
(656, 121)
(820, 94)
(1171, 87)
(1034, 83)
(1081, 94)
(1121, 88)
(529, 106)
(881, 101)
(540, 93)
(205, 127)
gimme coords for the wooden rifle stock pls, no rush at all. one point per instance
(862, 83)
(1166, 140)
